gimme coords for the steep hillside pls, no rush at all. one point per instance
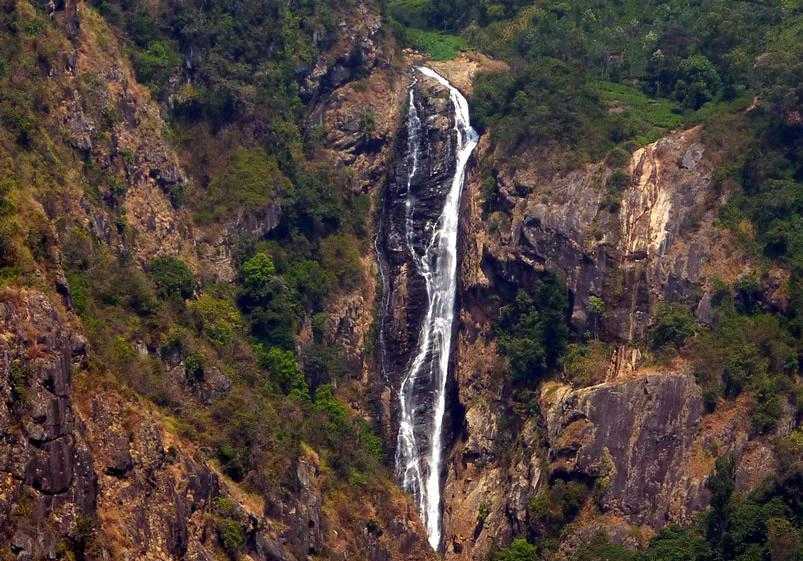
(153, 402)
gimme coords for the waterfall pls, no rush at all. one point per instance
(419, 470)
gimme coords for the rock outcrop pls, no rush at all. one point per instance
(47, 484)
(652, 246)
(636, 437)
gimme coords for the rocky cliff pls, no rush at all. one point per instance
(638, 435)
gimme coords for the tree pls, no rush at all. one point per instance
(172, 277)
(721, 484)
(284, 371)
(519, 550)
(272, 307)
(698, 82)
(532, 330)
(258, 277)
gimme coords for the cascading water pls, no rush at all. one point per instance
(419, 469)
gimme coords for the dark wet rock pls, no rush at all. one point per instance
(408, 220)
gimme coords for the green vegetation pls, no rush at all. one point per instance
(230, 530)
(747, 352)
(673, 324)
(532, 330)
(216, 317)
(587, 76)
(436, 44)
(585, 363)
(640, 117)
(172, 277)
(557, 505)
(156, 64)
(250, 181)
(547, 103)
(518, 550)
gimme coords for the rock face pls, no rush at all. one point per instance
(47, 484)
(350, 52)
(641, 435)
(653, 247)
(636, 436)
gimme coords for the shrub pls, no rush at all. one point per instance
(673, 324)
(76, 250)
(251, 180)
(618, 180)
(216, 317)
(677, 544)
(156, 64)
(231, 534)
(284, 370)
(340, 256)
(783, 540)
(557, 505)
(258, 277)
(599, 548)
(310, 281)
(172, 277)
(350, 441)
(194, 367)
(136, 291)
(275, 322)
(79, 292)
(272, 307)
(518, 550)
(617, 158)
(586, 364)
(698, 82)
(8, 225)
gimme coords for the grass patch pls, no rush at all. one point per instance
(436, 44)
(646, 119)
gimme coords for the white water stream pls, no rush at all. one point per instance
(420, 469)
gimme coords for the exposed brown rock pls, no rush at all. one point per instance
(636, 437)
